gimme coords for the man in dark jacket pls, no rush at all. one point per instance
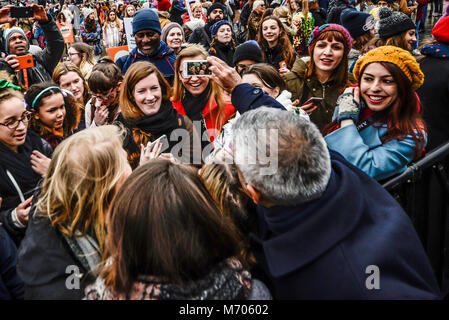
(17, 44)
(147, 32)
(202, 35)
(326, 229)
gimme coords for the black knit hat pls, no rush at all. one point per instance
(356, 22)
(216, 5)
(392, 23)
(249, 50)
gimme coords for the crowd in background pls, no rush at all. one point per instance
(124, 176)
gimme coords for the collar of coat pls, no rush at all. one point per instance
(319, 225)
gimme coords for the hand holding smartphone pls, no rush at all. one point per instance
(21, 12)
(199, 68)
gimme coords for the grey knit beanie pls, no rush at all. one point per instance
(10, 32)
(167, 29)
(392, 23)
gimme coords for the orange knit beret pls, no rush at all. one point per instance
(397, 56)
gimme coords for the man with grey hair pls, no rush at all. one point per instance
(326, 229)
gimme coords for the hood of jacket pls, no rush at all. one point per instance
(437, 50)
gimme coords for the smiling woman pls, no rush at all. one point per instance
(148, 114)
(325, 75)
(55, 114)
(380, 129)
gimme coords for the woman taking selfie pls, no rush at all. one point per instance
(66, 233)
(275, 45)
(148, 114)
(82, 55)
(23, 161)
(179, 248)
(55, 113)
(380, 129)
(223, 44)
(199, 98)
(324, 76)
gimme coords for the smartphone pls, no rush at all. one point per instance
(282, 64)
(314, 100)
(199, 68)
(163, 139)
(25, 62)
(21, 12)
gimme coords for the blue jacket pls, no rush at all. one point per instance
(11, 286)
(163, 58)
(245, 97)
(366, 151)
(323, 249)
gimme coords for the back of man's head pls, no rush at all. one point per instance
(281, 155)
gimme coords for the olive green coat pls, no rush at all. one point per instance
(329, 91)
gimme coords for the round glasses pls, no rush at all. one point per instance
(13, 124)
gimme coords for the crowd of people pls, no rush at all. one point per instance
(234, 152)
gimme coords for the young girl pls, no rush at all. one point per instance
(55, 114)
(23, 162)
(104, 83)
(112, 30)
(69, 77)
(276, 48)
(381, 129)
(67, 231)
(325, 75)
(223, 44)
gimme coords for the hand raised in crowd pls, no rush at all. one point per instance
(39, 162)
(149, 152)
(23, 209)
(101, 115)
(4, 15)
(225, 76)
(14, 63)
(39, 13)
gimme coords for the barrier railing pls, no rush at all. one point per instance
(423, 192)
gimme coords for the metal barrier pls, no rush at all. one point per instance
(423, 192)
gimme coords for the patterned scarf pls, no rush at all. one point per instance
(227, 281)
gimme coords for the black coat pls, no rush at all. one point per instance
(42, 264)
(224, 52)
(334, 10)
(11, 286)
(325, 248)
(202, 36)
(434, 95)
(26, 184)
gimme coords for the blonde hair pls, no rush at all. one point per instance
(216, 91)
(283, 13)
(81, 181)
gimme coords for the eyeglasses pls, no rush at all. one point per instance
(13, 124)
(141, 35)
(102, 96)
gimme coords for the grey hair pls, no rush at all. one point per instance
(303, 166)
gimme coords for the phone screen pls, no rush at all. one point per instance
(163, 139)
(21, 12)
(199, 68)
